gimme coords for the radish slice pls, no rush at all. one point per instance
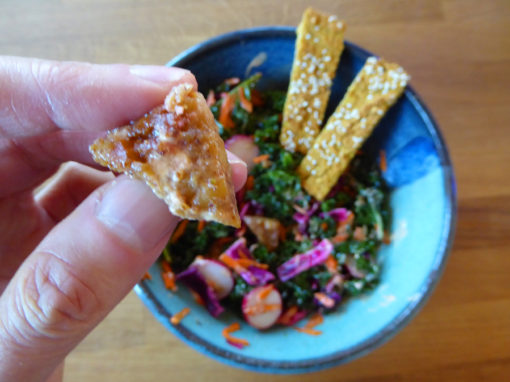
(244, 147)
(261, 308)
(217, 275)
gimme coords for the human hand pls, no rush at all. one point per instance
(72, 250)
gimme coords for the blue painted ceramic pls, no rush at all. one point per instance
(422, 198)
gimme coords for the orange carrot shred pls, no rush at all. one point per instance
(245, 104)
(177, 317)
(232, 263)
(301, 210)
(166, 266)
(179, 231)
(260, 158)
(260, 308)
(211, 99)
(340, 238)
(233, 328)
(249, 262)
(147, 276)
(287, 315)
(265, 292)
(324, 226)
(226, 108)
(169, 280)
(383, 164)
(201, 225)
(315, 320)
(250, 182)
(310, 331)
(198, 299)
(359, 234)
(386, 238)
(331, 264)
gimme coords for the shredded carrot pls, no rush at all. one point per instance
(147, 276)
(245, 262)
(324, 226)
(166, 266)
(232, 263)
(324, 299)
(315, 320)
(201, 225)
(179, 231)
(260, 158)
(250, 182)
(211, 99)
(232, 81)
(359, 233)
(245, 104)
(169, 280)
(265, 292)
(256, 98)
(386, 238)
(350, 218)
(383, 164)
(226, 108)
(260, 308)
(339, 238)
(282, 233)
(177, 317)
(199, 300)
(331, 264)
(289, 313)
(299, 237)
(310, 331)
(233, 340)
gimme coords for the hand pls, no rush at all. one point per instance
(72, 250)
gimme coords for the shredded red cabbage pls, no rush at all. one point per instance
(339, 214)
(192, 278)
(303, 261)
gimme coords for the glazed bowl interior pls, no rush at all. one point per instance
(423, 217)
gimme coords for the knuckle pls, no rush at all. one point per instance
(53, 299)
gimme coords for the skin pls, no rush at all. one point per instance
(74, 246)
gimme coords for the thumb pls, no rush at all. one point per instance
(77, 274)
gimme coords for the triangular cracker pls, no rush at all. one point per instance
(177, 151)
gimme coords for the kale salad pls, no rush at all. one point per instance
(293, 256)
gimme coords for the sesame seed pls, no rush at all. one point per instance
(380, 112)
(316, 28)
(357, 139)
(316, 40)
(370, 96)
(348, 105)
(339, 25)
(324, 51)
(332, 18)
(327, 58)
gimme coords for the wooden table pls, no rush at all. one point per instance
(458, 52)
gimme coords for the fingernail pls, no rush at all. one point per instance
(132, 212)
(161, 75)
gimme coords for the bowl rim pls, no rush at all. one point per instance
(403, 318)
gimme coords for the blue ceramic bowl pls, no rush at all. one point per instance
(423, 202)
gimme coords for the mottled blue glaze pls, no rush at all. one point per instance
(422, 198)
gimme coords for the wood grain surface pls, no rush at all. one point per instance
(458, 53)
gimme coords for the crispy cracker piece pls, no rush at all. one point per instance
(376, 87)
(319, 44)
(267, 230)
(177, 151)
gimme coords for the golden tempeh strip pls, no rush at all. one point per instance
(376, 87)
(319, 44)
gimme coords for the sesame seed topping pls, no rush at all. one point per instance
(316, 40)
(316, 28)
(308, 36)
(339, 25)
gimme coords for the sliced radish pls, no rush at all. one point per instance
(244, 147)
(262, 306)
(217, 275)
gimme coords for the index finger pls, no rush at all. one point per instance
(51, 111)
